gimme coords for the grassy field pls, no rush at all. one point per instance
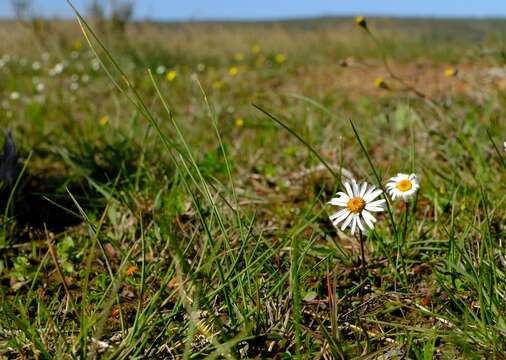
(171, 192)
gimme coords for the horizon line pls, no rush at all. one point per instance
(281, 18)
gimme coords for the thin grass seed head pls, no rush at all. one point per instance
(403, 186)
(358, 202)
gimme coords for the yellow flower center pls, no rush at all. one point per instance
(356, 205)
(404, 185)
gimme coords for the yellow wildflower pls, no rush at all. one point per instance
(280, 58)
(239, 122)
(255, 49)
(451, 72)
(233, 71)
(380, 83)
(360, 21)
(171, 75)
(104, 120)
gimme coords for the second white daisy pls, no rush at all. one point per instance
(358, 203)
(403, 186)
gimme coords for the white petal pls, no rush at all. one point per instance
(349, 191)
(353, 223)
(376, 206)
(343, 195)
(340, 216)
(336, 215)
(374, 209)
(368, 218)
(363, 189)
(377, 203)
(391, 185)
(359, 223)
(373, 195)
(394, 179)
(338, 202)
(355, 188)
(371, 189)
(346, 222)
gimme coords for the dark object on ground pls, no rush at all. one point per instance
(8, 160)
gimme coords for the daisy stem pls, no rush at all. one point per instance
(362, 252)
(400, 246)
(405, 225)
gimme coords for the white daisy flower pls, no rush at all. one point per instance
(358, 203)
(95, 64)
(57, 69)
(403, 186)
(160, 70)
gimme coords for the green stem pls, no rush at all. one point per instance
(405, 225)
(400, 245)
(362, 252)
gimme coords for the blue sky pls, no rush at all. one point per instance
(265, 9)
